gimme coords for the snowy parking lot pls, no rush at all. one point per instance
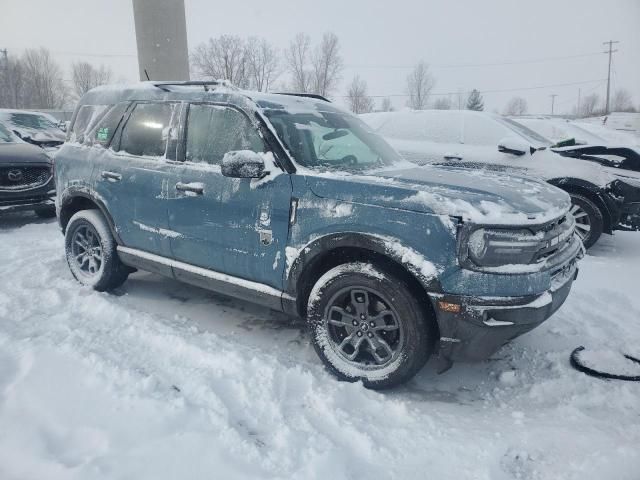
(163, 380)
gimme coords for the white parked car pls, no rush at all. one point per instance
(603, 201)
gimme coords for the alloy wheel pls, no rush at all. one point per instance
(583, 222)
(86, 250)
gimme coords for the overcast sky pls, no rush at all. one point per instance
(489, 45)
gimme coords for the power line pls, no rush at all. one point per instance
(81, 54)
(489, 91)
(491, 64)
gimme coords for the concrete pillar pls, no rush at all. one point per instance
(161, 35)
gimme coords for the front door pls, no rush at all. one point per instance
(234, 226)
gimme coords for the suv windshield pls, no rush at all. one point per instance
(534, 138)
(331, 139)
(30, 120)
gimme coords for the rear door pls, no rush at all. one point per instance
(234, 226)
(131, 177)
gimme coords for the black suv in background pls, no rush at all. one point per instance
(26, 177)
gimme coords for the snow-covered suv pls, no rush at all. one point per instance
(296, 204)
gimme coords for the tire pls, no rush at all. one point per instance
(46, 212)
(383, 349)
(589, 219)
(91, 252)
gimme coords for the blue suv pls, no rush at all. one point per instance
(294, 203)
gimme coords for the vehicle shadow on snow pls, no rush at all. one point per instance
(20, 219)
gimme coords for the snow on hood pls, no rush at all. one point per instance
(476, 196)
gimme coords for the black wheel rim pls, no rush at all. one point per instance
(86, 250)
(363, 328)
(583, 222)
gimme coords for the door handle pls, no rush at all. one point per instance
(196, 188)
(111, 176)
(451, 156)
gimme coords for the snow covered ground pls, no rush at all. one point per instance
(164, 381)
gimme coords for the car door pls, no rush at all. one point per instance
(233, 226)
(131, 176)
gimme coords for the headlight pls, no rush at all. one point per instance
(494, 248)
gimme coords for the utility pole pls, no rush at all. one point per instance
(553, 101)
(578, 107)
(610, 52)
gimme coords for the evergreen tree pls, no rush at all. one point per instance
(475, 101)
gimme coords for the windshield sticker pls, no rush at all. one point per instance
(103, 134)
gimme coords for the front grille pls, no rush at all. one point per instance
(556, 236)
(20, 178)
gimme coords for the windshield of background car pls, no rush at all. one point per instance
(31, 120)
(534, 138)
(5, 135)
(329, 138)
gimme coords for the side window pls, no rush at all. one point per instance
(147, 130)
(213, 131)
(85, 120)
(479, 130)
(104, 129)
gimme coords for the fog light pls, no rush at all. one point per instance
(449, 307)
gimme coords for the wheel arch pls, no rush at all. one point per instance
(75, 201)
(329, 251)
(590, 191)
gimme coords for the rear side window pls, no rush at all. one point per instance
(85, 120)
(147, 130)
(213, 131)
(103, 131)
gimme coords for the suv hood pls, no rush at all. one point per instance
(477, 196)
(21, 153)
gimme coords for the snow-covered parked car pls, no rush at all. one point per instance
(603, 201)
(38, 128)
(26, 177)
(296, 204)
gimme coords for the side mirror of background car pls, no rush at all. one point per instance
(243, 164)
(515, 146)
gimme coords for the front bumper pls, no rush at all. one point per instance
(483, 324)
(32, 199)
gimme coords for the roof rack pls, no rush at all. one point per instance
(305, 95)
(194, 83)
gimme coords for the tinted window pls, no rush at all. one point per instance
(31, 120)
(85, 120)
(147, 130)
(213, 131)
(103, 131)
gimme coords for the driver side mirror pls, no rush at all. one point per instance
(243, 164)
(515, 146)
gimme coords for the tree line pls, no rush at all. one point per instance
(35, 80)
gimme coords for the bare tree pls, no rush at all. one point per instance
(420, 82)
(357, 98)
(224, 58)
(12, 84)
(622, 101)
(386, 105)
(516, 106)
(327, 65)
(85, 77)
(262, 63)
(589, 105)
(297, 58)
(442, 103)
(44, 85)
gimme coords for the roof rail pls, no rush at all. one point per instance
(194, 83)
(305, 95)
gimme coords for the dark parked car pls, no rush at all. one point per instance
(34, 127)
(26, 177)
(296, 204)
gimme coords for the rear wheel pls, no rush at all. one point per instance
(589, 219)
(365, 325)
(91, 252)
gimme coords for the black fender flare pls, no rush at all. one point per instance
(319, 247)
(578, 185)
(70, 194)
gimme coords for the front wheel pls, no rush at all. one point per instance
(365, 325)
(589, 219)
(91, 252)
